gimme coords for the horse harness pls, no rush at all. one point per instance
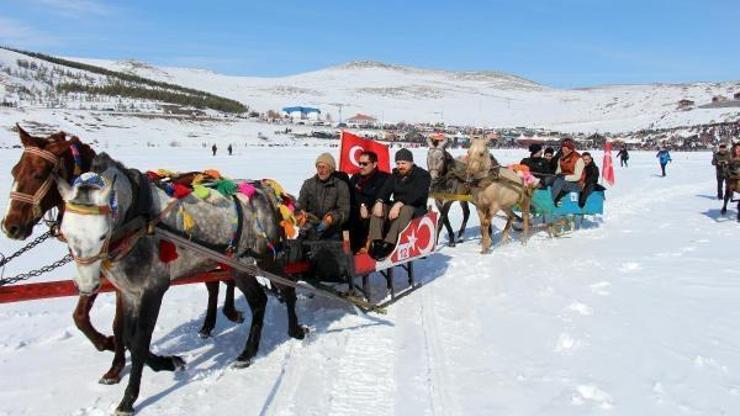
(56, 164)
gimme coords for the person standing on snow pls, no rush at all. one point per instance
(664, 158)
(623, 156)
(721, 160)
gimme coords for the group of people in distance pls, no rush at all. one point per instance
(565, 171)
(372, 205)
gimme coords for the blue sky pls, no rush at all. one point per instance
(570, 43)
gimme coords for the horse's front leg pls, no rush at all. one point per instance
(257, 301)
(485, 222)
(81, 318)
(444, 209)
(113, 375)
(466, 214)
(230, 311)
(139, 322)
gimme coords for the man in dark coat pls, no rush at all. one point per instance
(590, 179)
(623, 156)
(365, 187)
(403, 197)
(721, 160)
(325, 199)
(538, 165)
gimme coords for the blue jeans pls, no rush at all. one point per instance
(561, 185)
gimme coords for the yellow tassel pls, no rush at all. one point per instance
(187, 220)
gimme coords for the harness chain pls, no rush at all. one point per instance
(38, 272)
(36, 241)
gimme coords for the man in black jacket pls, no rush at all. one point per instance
(403, 197)
(590, 179)
(365, 187)
(538, 165)
(326, 198)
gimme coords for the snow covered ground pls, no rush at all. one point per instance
(634, 315)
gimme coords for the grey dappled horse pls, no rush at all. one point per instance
(440, 165)
(143, 278)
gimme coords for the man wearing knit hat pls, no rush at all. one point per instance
(325, 198)
(403, 197)
(538, 166)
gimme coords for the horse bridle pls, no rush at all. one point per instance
(81, 209)
(35, 199)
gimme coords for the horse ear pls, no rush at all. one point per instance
(26, 139)
(65, 190)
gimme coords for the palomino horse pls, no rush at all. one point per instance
(494, 191)
(34, 194)
(139, 273)
(440, 165)
(732, 180)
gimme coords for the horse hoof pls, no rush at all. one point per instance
(177, 363)
(299, 333)
(109, 380)
(239, 364)
(451, 243)
(120, 412)
(723, 211)
(204, 334)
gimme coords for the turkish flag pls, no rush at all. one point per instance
(351, 147)
(608, 171)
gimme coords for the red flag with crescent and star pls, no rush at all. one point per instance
(351, 147)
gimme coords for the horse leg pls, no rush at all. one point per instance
(113, 375)
(485, 222)
(446, 221)
(525, 214)
(257, 301)
(295, 330)
(466, 214)
(210, 322)
(510, 217)
(230, 311)
(81, 318)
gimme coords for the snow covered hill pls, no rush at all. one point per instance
(397, 93)
(390, 93)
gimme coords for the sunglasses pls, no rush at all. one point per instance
(363, 163)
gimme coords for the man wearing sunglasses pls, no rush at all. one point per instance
(403, 197)
(365, 188)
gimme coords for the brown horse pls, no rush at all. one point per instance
(34, 193)
(495, 189)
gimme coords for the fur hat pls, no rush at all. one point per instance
(569, 143)
(534, 148)
(405, 155)
(327, 159)
(549, 150)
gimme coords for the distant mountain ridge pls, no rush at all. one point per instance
(393, 93)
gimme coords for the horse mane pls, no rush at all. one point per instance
(140, 189)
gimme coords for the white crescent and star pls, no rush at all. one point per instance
(353, 158)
